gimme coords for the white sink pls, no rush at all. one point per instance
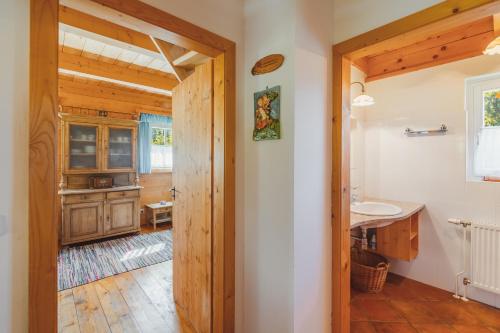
(375, 209)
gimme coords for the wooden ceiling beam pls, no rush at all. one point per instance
(496, 24)
(125, 36)
(86, 65)
(154, 22)
(169, 53)
(416, 27)
(83, 21)
(463, 42)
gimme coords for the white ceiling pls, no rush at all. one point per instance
(96, 46)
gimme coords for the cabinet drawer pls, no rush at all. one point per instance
(123, 194)
(88, 197)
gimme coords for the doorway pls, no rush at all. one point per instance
(404, 32)
(217, 311)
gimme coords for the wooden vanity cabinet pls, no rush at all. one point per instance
(399, 240)
(92, 216)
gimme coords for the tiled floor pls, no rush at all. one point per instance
(409, 306)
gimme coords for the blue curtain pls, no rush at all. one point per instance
(144, 141)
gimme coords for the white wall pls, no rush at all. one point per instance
(312, 168)
(14, 29)
(430, 170)
(268, 175)
(357, 138)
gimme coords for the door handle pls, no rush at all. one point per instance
(174, 192)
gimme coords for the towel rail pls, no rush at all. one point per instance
(441, 131)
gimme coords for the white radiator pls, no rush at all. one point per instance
(485, 257)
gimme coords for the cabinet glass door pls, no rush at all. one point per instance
(82, 147)
(120, 148)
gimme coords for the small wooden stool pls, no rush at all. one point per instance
(152, 210)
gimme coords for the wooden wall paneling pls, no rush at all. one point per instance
(464, 42)
(99, 68)
(43, 126)
(418, 26)
(156, 188)
(115, 93)
(341, 266)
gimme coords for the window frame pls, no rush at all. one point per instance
(161, 126)
(474, 108)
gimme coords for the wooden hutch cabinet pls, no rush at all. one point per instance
(101, 147)
(95, 146)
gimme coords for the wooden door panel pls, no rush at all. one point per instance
(122, 215)
(192, 107)
(82, 221)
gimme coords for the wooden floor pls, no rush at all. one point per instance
(409, 306)
(136, 301)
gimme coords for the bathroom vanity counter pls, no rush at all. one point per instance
(397, 236)
(409, 209)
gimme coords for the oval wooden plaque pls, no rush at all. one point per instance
(268, 64)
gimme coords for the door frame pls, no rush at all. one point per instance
(44, 122)
(448, 14)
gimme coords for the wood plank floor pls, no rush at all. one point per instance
(135, 301)
(409, 306)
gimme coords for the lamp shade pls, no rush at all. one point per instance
(363, 100)
(493, 48)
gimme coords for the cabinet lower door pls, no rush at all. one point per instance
(82, 221)
(122, 216)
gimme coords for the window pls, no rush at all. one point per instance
(161, 148)
(483, 123)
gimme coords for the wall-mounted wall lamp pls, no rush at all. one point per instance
(493, 48)
(363, 99)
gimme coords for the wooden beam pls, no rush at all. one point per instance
(496, 24)
(463, 42)
(93, 94)
(341, 225)
(164, 26)
(95, 67)
(105, 28)
(416, 27)
(168, 53)
(43, 126)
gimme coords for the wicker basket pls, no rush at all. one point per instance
(368, 270)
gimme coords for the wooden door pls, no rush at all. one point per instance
(122, 215)
(192, 110)
(82, 221)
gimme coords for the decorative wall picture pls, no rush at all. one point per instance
(267, 114)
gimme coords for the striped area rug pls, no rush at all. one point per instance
(87, 263)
